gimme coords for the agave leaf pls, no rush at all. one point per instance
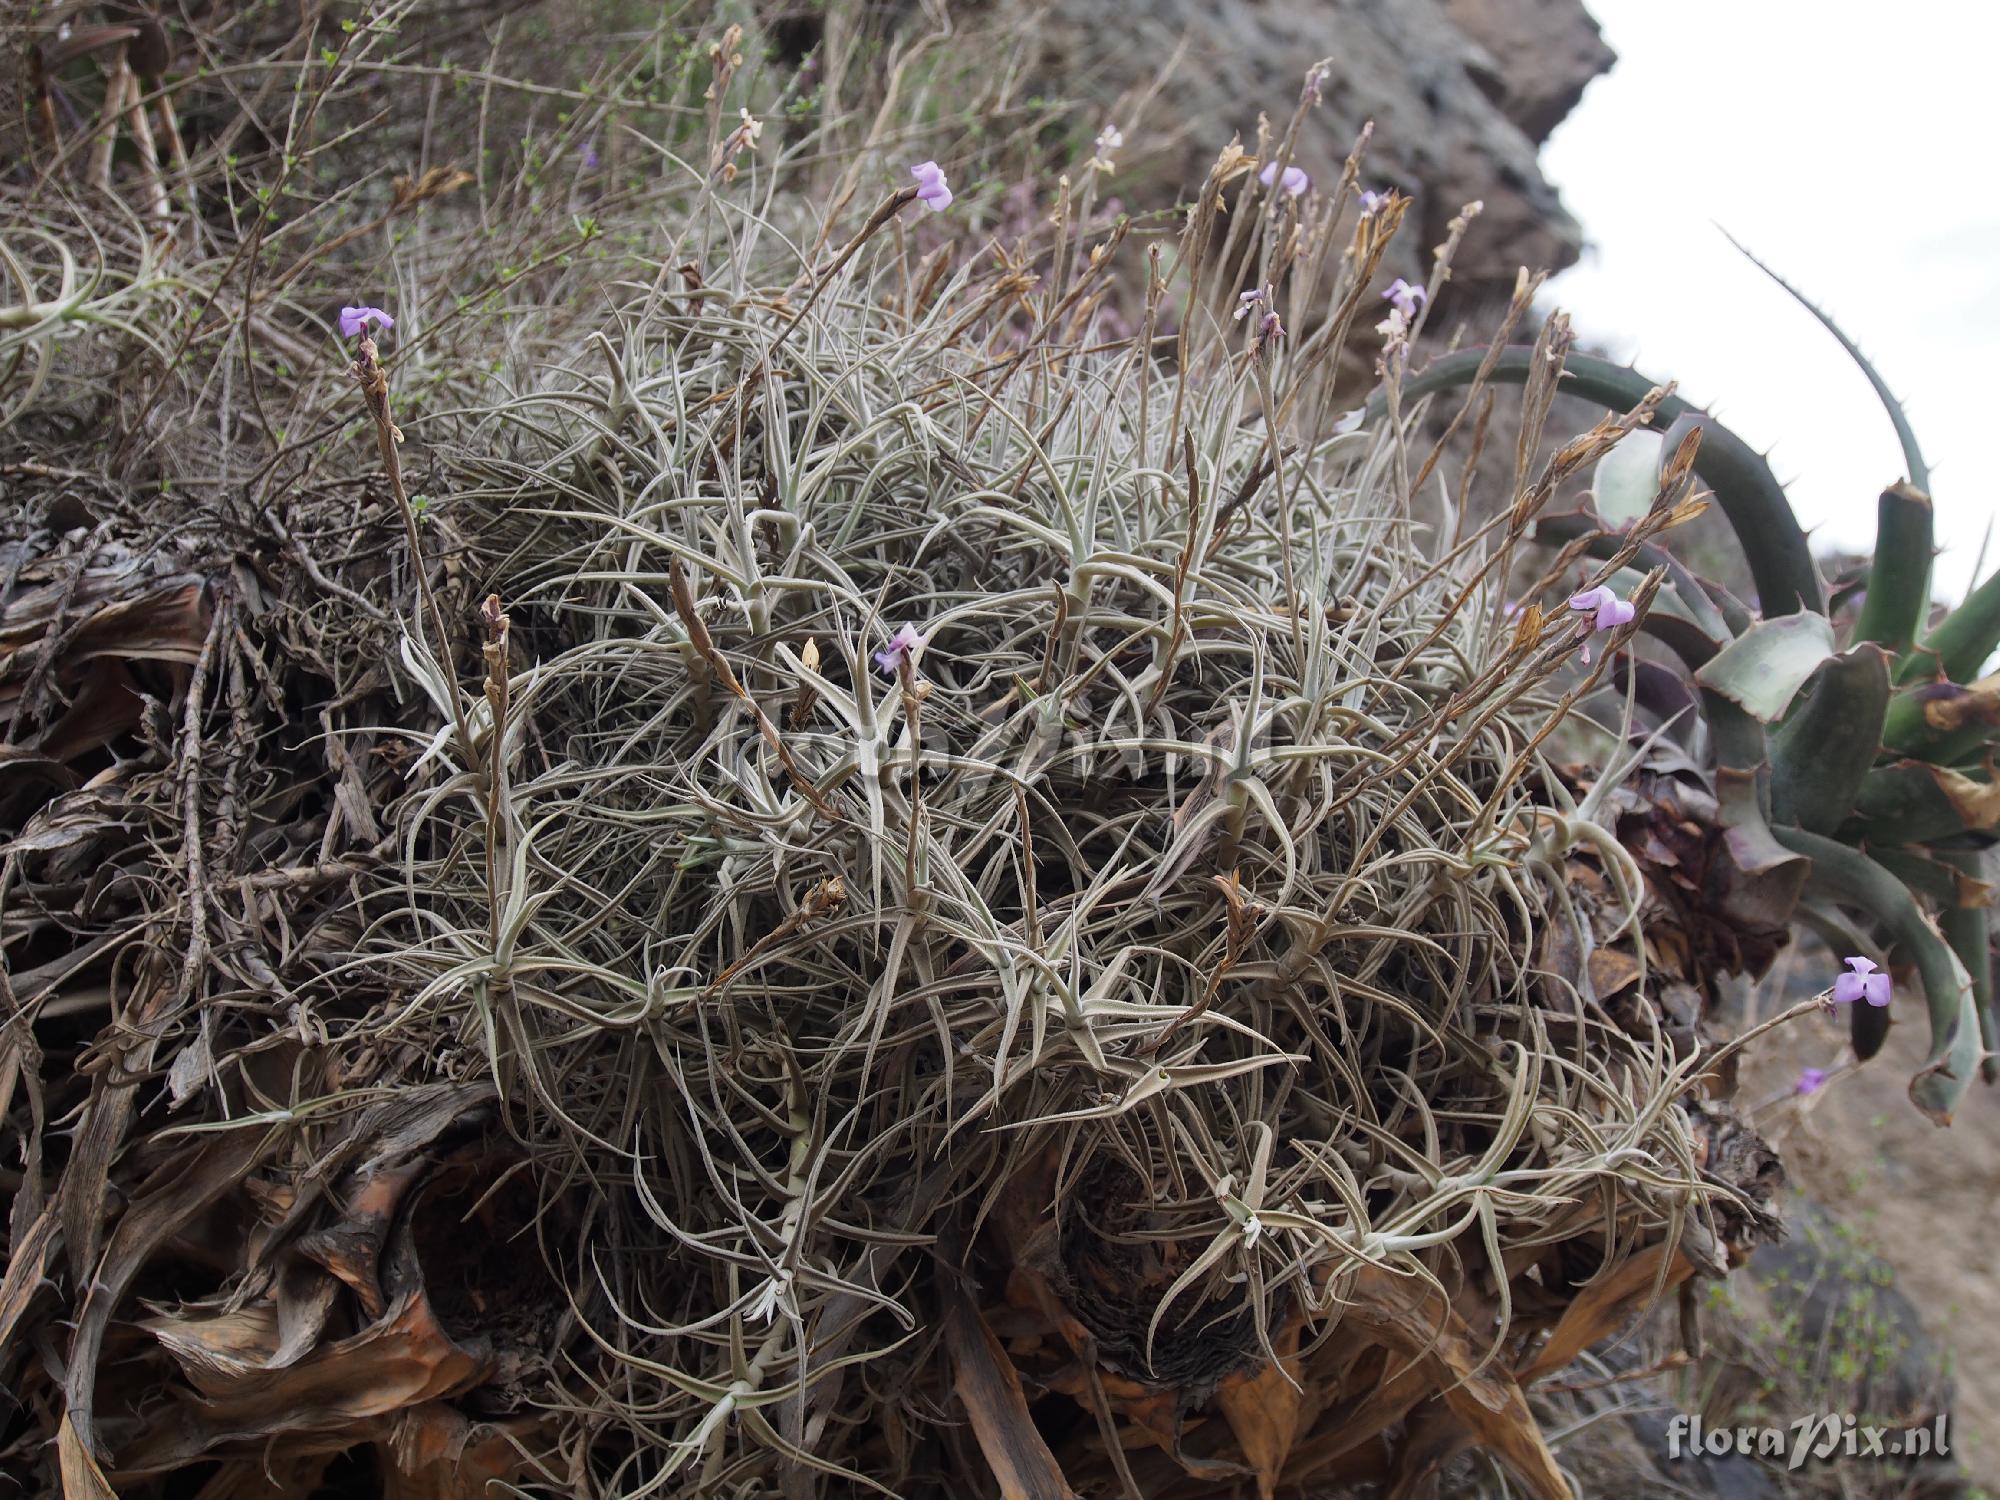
(1769, 877)
(1926, 873)
(1828, 741)
(1899, 580)
(1852, 878)
(1762, 670)
(1660, 690)
(1736, 740)
(1920, 474)
(1750, 496)
(1969, 930)
(1913, 802)
(1963, 640)
(1764, 890)
(1944, 721)
(1627, 478)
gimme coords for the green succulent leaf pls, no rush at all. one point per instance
(1958, 649)
(1774, 546)
(1925, 872)
(1968, 927)
(1899, 580)
(1627, 478)
(1914, 802)
(1853, 879)
(1944, 722)
(1762, 670)
(1824, 748)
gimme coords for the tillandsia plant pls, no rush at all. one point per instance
(866, 876)
(1020, 883)
(1852, 768)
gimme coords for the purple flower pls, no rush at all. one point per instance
(590, 156)
(1373, 202)
(1811, 1081)
(1609, 609)
(1606, 608)
(1294, 181)
(906, 639)
(354, 319)
(1407, 298)
(1863, 984)
(1249, 302)
(931, 186)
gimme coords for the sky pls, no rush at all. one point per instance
(1852, 146)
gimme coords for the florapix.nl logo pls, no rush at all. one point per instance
(1821, 1436)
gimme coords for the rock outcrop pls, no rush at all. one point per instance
(1540, 55)
(1462, 92)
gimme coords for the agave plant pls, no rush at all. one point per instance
(1851, 768)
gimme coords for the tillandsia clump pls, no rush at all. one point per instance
(972, 905)
(997, 872)
(1847, 754)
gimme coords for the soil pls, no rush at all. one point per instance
(1926, 1200)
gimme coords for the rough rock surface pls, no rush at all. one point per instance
(1543, 53)
(1461, 93)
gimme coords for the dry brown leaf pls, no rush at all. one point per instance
(82, 1479)
(435, 1453)
(1386, 1388)
(25, 1270)
(173, 1195)
(1263, 1411)
(1603, 1307)
(1412, 1318)
(405, 1359)
(1612, 972)
(987, 1384)
(1431, 1439)
(268, 1476)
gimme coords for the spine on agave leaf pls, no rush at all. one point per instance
(1749, 494)
(1850, 877)
(1920, 474)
